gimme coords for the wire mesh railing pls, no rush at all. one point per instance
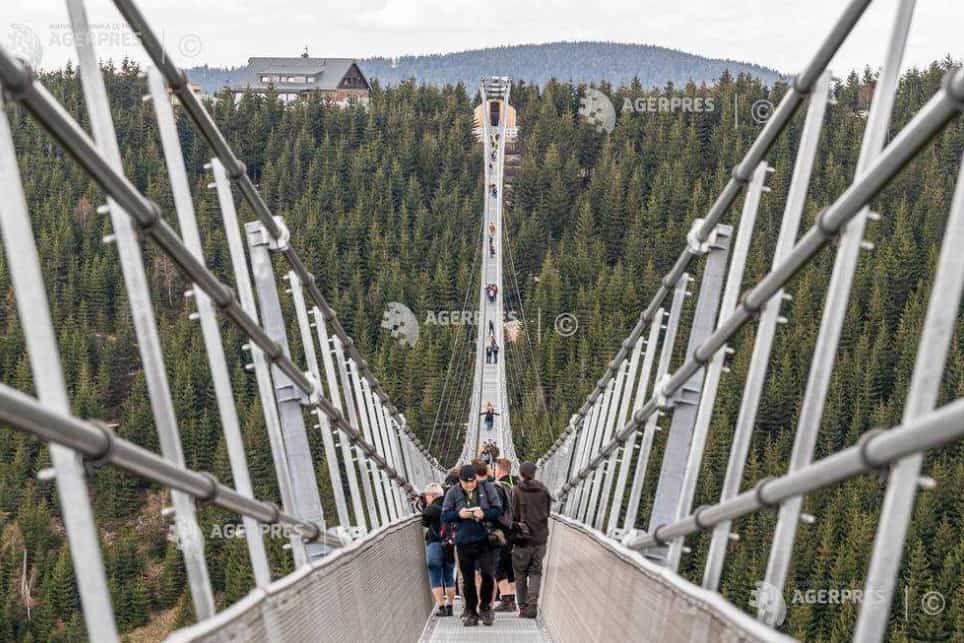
(592, 461)
(374, 461)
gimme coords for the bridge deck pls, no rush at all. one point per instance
(508, 628)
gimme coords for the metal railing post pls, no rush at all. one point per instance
(629, 447)
(364, 469)
(603, 428)
(327, 357)
(602, 473)
(189, 535)
(33, 308)
(289, 397)
(379, 439)
(925, 385)
(629, 378)
(835, 307)
(769, 317)
(686, 399)
(389, 437)
(210, 329)
(582, 447)
(239, 265)
(380, 429)
(361, 413)
(662, 369)
(714, 371)
(592, 443)
(391, 451)
(324, 425)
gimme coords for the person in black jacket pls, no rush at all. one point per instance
(531, 504)
(504, 574)
(474, 505)
(439, 555)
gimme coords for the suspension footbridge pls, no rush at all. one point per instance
(359, 566)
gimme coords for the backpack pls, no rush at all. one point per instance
(505, 494)
(504, 521)
(446, 534)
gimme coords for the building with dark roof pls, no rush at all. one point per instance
(337, 79)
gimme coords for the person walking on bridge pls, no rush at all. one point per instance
(489, 414)
(531, 504)
(473, 506)
(439, 553)
(504, 575)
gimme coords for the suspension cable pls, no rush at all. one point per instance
(458, 334)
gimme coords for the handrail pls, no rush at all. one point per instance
(938, 111)
(800, 88)
(19, 78)
(101, 446)
(876, 449)
(178, 82)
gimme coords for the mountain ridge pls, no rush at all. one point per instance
(576, 61)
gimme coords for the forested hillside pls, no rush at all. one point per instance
(577, 62)
(385, 206)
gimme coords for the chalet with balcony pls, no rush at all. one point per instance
(338, 79)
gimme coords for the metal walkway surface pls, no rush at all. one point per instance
(489, 378)
(508, 628)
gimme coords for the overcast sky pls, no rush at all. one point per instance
(777, 33)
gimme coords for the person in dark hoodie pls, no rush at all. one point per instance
(531, 504)
(472, 505)
(438, 554)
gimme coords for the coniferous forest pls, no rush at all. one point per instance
(384, 205)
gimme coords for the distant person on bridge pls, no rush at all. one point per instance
(531, 504)
(491, 291)
(489, 414)
(474, 506)
(488, 453)
(492, 230)
(439, 551)
(504, 576)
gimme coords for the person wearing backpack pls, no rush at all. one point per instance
(474, 507)
(439, 551)
(504, 575)
(531, 504)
